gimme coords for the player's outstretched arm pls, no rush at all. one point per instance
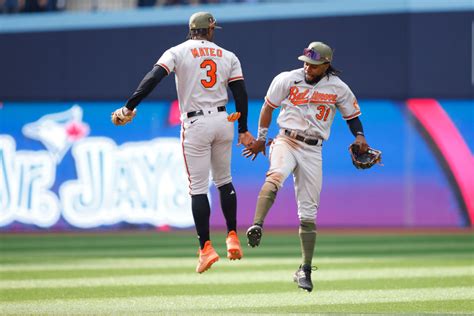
(263, 124)
(241, 106)
(126, 113)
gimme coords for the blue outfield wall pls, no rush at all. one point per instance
(63, 165)
(394, 55)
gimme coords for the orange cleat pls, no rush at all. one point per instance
(234, 251)
(207, 257)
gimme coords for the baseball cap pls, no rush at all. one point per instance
(317, 53)
(202, 20)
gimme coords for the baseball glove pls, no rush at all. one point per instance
(365, 160)
(122, 116)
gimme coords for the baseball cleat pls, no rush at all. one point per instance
(234, 251)
(302, 277)
(207, 257)
(254, 235)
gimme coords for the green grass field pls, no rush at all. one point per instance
(153, 273)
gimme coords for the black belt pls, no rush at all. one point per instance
(309, 141)
(201, 112)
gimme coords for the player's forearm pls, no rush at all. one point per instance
(264, 121)
(355, 125)
(265, 116)
(241, 103)
(146, 86)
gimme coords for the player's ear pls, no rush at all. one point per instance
(210, 33)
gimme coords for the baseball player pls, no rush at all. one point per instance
(309, 98)
(203, 71)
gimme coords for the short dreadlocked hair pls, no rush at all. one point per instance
(332, 71)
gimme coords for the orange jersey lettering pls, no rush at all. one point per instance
(205, 52)
(298, 98)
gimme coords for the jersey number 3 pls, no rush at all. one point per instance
(211, 68)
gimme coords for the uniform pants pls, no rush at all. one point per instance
(207, 146)
(288, 155)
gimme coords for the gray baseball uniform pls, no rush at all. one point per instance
(203, 72)
(306, 111)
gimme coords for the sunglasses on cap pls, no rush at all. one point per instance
(314, 55)
(308, 52)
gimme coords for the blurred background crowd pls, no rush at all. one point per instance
(23, 6)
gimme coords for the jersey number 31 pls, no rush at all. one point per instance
(323, 113)
(211, 68)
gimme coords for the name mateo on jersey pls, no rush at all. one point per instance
(298, 98)
(206, 52)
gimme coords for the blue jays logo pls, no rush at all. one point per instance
(58, 131)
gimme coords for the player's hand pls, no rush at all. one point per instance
(122, 116)
(361, 143)
(245, 139)
(256, 147)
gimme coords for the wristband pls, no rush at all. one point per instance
(262, 133)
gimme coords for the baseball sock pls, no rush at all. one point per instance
(201, 214)
(265, 200)
(229, 205)
(307, 234)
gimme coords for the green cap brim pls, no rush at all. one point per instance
(311, 61)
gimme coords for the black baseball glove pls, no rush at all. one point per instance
(365, 160)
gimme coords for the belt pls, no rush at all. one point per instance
(304, 139)
(201, 112)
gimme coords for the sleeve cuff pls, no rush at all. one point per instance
(235, 79)
(356, 114)
(270, 103)
(165, 67)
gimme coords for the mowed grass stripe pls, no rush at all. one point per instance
(138, 263)
(413, 307)
(129, 241)
(220, 267)
(93, 243)
(164, 265)
(25, 260)
(184, 236)
(206, 303)
(129, 291)
(55, 246)
(230, 278)
(290, 250)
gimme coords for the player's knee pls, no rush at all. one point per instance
(276, 179)
(307, 226)
(198, 189)
(222, 181)
(307, 211)
(226, 188)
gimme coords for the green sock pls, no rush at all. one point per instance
(265, 200)
(307, 234)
